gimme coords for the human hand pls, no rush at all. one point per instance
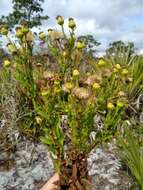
(52, 184)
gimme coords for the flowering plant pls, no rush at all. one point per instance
(77, 102)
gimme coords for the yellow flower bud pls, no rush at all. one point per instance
(67, 87)
(4, 31)
(42, 35)
(38, 120)
(60, 20)
(125, 72)
(130, 79)
(64, 54)
(110, 106)
(71, 23)
(80, 45)
(101, 62)
(96, 86)
(56, 82)
(50, 31)
(19, 33)
(25, 30)
(44, 93)
(11, 48)
(75, 73)
(115, 70)
(6, 63)
(118, 66)
(120, 104)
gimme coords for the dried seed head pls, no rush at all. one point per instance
(29, 37)
(92, 79)
(81, 93)
(54, 35)
(106, 72)
(48, 75)
(121, 93)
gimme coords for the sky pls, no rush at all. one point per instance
(107, 20)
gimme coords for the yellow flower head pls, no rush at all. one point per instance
(44, 93)
(120, 104)
(101, 62)
(60, 20)
(38, 120)
(19, 33)
(125, 71)
(96, 86)
(42, 35)
(67, 87)
(115, 70)
(110, 106)
(118, 66)
(64, 54)
(130, 79)
(11, 48)
(25, 30)
(75, 73)
(4, 30)
(6, 63)
(71, 23)
(80, 45)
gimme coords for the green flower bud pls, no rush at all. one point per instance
(60, 20)
(71, 23)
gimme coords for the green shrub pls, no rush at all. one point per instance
(64, 95)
